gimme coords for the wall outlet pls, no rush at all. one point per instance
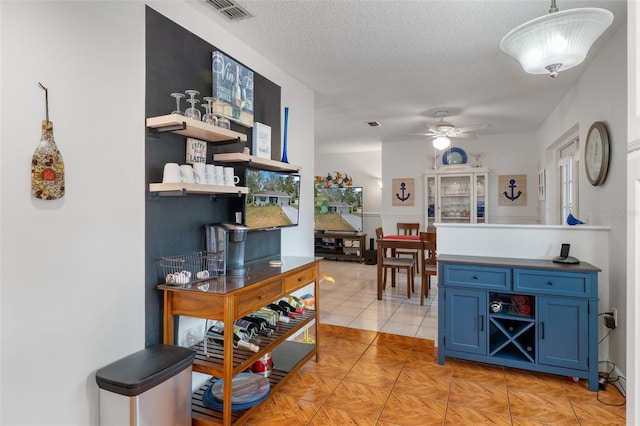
(615, 316)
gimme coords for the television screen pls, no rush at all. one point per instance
(338, 209)
(273, 199)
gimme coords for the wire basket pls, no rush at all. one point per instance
(191, 267)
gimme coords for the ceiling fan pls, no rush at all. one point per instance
(443, 131)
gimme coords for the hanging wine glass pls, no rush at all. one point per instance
(209, 117)
(178, 96)
(192, 112)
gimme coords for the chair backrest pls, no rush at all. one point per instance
(429, 254)
(379, 236)
(408, 228)
(379, 233)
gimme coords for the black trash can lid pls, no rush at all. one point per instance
(145, 369)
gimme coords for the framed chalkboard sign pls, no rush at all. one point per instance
(232, 89)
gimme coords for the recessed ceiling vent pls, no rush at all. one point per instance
(231, 10)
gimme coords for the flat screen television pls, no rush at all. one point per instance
(273, 199)
(338, 209)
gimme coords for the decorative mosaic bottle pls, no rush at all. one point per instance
(47, 167)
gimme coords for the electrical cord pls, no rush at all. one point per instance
(606, 335)
(615, 382)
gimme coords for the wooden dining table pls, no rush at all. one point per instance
(393, 242)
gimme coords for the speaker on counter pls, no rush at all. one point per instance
(370, 257)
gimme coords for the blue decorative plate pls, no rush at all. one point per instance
(454, 155)
(249, 389)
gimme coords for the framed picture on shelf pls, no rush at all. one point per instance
(232, 89)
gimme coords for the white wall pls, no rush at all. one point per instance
(599, 95)
(73, 269)
(633, 209)
(72, 277)
(504, 154)
(364, 167)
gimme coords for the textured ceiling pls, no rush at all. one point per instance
(398, 62)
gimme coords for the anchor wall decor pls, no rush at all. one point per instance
(403, 192)
(512, 190)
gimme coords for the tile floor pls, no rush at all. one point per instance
(352, 302)
(370, 377)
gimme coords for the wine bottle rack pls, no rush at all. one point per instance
(212, 362)
(512, 336)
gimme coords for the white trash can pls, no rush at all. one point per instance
(148, 388)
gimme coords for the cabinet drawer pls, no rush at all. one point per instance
(477, 276)
(261, 295)
(295, 281)
(551, 282)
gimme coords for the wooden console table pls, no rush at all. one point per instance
(340, 245)
(229, 298)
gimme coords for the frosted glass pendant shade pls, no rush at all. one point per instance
(441, 142)
(557, 41)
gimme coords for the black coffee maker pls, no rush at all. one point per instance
(228, 239)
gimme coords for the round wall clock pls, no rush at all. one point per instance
(596, 153)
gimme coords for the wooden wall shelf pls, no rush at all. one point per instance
(262, 163)
(180, 188)
(186, 126)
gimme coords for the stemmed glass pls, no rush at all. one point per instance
(209, 117)
(178, 96)
(192, 112)
(477, 156)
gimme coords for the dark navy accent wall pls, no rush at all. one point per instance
(177, 60)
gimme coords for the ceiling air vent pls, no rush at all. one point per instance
(232, 11)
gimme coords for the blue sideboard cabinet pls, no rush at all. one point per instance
(522, 313)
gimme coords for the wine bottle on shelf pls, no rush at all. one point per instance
(270, 316)
(295, 301)
(216, 334)
(250, 327)
(290, 307)
(261, 324)
(284, 315)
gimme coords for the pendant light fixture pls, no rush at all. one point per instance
(441, 142)
(557, 41)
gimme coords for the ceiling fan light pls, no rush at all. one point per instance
(441, 142)
(557, 41)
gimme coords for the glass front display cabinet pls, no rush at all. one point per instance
(456, 195)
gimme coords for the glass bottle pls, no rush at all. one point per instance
(47, 167)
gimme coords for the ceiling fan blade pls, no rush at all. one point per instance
(472, 128)
(463, 136)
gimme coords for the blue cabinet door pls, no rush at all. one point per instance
(466, 320)
(563, 337)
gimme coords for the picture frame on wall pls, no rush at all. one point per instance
(232, 89)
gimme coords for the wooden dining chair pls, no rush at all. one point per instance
(429, 266)
(409, 229)
(395, 263)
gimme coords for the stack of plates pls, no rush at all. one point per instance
(249, 389)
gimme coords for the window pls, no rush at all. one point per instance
(568, 172)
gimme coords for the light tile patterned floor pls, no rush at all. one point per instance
(391, 377)
(352, 302)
